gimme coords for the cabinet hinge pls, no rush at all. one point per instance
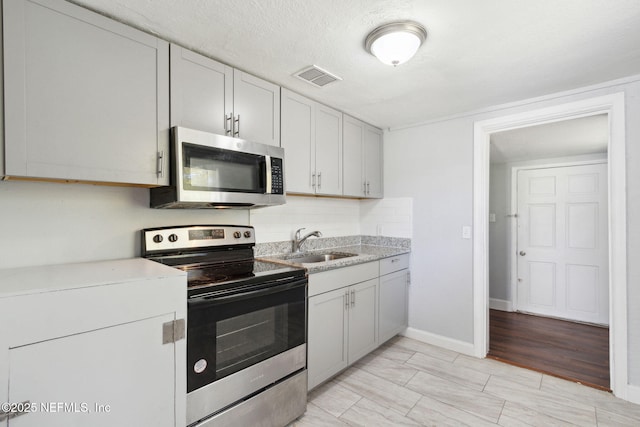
(21, 409)
(173, 331)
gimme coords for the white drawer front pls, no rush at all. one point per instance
(395, 263)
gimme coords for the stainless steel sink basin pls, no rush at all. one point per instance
(311, 258)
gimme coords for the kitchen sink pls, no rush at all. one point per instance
(312, 258)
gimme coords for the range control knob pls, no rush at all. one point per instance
(237, 234)
(173, 238)
(157, 238)
(247, 234)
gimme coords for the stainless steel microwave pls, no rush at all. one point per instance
(216, 171)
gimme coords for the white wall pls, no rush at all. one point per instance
(432, 163)
(499, 286)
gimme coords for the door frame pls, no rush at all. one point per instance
(614, 106)
(513, 207)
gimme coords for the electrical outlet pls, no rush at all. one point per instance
(492, 217)
(466, 232)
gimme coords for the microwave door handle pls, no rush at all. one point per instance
(269, 178)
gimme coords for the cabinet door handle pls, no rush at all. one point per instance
(313, 180)
(346, 300)
(236, 131)
(353, 298)
(365, 188)
(228, 123)
(319, 179)
(368, 188)
(160, 166)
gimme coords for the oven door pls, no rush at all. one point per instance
(242, 340)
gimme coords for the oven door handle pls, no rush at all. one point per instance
(230, 295)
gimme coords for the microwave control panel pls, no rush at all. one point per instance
(277, 176)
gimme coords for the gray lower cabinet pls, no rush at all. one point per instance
(213, 97)
(393, 297)
(328, 335)
(352, 310)
(362, 319)
(87, 345)
(342, 320)
(86, 98)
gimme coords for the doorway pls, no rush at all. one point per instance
(613, 106)
(548, 248)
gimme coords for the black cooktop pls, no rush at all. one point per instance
(216, 274)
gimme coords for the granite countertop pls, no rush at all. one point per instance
(363, 252)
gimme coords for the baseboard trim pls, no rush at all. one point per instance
(500, 304)
(633, 394)
(440, 341)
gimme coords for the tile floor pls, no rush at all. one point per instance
(409, 383)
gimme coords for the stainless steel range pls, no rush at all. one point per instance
(246, 326)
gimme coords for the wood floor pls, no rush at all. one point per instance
(568, 350)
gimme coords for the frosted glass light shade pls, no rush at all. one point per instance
(395, 43)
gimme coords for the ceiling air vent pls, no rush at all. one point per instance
(316, 76)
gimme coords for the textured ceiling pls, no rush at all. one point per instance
(586, 135)
(477, 53)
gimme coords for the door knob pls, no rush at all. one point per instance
(522, 253)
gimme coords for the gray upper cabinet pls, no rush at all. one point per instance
(201, 92)
(362, 159)
(213, 97)
(256, 108)
(312, 139)
(86, 98)
(373, 161)
(354, 180)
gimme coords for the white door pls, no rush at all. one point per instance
(563, 243)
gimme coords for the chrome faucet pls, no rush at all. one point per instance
(298, 241)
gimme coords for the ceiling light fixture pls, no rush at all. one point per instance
(395, 43)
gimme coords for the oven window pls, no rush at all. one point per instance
(227, 335)
(246, 339)
(216, 169)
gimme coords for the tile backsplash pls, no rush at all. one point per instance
(334, 218)
(387, 217)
